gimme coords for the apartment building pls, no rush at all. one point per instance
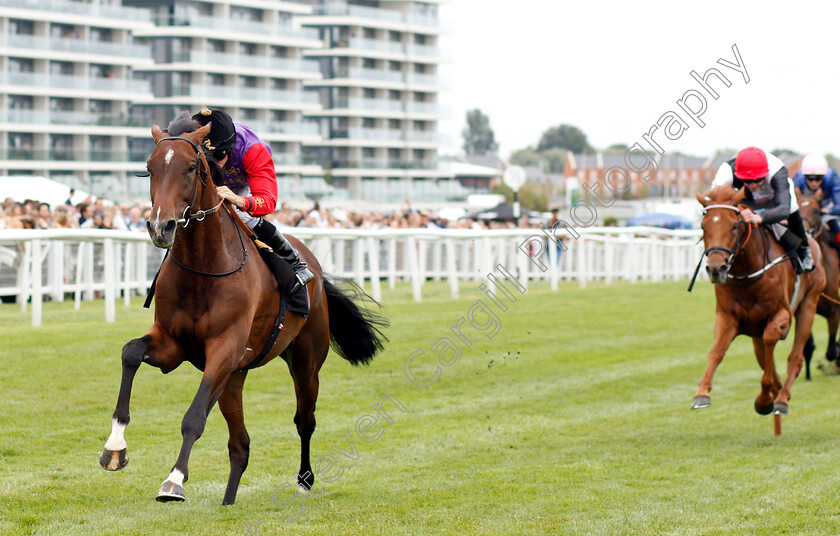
(342, 91)
(380, 94)
(66, 92)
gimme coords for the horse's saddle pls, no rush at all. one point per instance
(298, 301)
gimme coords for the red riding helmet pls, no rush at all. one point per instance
(751, 164)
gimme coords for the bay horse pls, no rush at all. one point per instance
(216, 304)
(754, 288)
(829, 304)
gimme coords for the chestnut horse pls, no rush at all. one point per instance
(754, 287)
(829, 304)
(216, 305)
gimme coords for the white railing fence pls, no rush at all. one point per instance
(84, 264)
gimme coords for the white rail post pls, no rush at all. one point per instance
(37, 291)
(411, 257)
(392, 263)
(422, 260)
(580, 257)
(553, 260)
(609, 259)
(109, 268)
(522, 261)
(24, 275)
(451, 268)
(437, 260)
(128, 265)
(373, 259)
(359, 261)
(89, 271)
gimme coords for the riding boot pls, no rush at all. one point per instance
(796, 225)
(791, 244)
(269, 234)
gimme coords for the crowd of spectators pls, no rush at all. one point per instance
(99, 214)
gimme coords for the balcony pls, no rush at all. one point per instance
(376, 163)
(72, 155)
(283, 127)
(381, 134)
(56, 117)
(341, 9)
(236, 60)
(101, 48)
(83, 8)
(238, 25)
(60, 81)
(266, 96)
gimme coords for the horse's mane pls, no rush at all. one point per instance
(181, 124)
(722, 195)
(185, 123)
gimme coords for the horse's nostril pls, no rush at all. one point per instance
(149, 226)
(170, 227)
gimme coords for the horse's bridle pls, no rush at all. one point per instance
(201, 214)
(188, 216)
(728, 253)
(815, 224)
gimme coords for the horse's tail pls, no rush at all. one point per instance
(355, 333)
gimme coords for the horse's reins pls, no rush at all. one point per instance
(722, 250)
(822, 228)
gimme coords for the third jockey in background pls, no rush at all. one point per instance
(815, 175)
(770, 199)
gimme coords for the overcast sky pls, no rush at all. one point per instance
(614, 68)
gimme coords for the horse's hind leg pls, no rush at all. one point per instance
(808, 353)
(760, 352)
(230, 403)
(776, 329)
(309, 352)
(833, 350)
(154, 348)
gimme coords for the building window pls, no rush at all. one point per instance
(216, 79)
(21, 27)
(21, 65)
(247, 49)
(21, 102)
(393, 124)
(368, 152)
(61, 67)
(102, 35)
(246, 13)
(368, 93)
(420, 39)
(279, 52)
(99, 106)
(215, 46)
(394, 95)
(369, 33)
(98, 70)
(419, 68)
(368, 63)
(61, 105)
(394, 36)
(368, 122)
(247, 114)
(247, 81)
(64, 31)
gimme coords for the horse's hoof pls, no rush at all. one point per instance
(170, 491)
(113, 460)
(701, 401)
(780, 408)
(763, 409)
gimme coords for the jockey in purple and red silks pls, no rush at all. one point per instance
(250, 182)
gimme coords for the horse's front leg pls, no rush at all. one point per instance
(725, 331)
(222, 356)
(155, 348)
(776, 329)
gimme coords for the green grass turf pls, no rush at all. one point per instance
(573, 419)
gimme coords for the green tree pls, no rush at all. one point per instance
(617, 148)
(565, 137)
(555, 158)
(529, 196)
(478, 136)
(527, 157)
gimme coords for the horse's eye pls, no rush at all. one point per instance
(192, 168)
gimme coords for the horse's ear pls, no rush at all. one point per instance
(739, 195)
(798, 191)
(199, 135)
(703, 199)
(157, 133)
(819, 194)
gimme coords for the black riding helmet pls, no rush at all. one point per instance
(222, 134)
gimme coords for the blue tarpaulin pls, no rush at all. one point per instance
(661, 219)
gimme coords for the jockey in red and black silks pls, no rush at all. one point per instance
(770, 198)
(250, 181)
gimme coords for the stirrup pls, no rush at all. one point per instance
(303, 277)
(807, 261)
